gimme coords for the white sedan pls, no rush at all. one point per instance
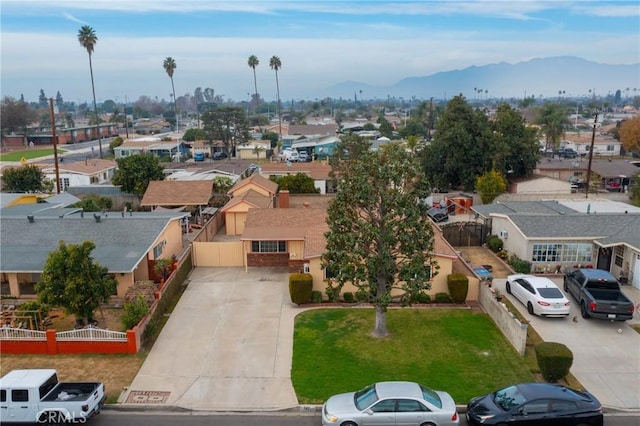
(540, 295)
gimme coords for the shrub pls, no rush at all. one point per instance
(494, 243)
(458, 285)
(348, 297)
(34, 312)
(503, 254)
(443, 298)
(300, 288)
(554, 360)
(163, 267)
(519, 265)
(133, 312)
(316, 296)
(423, 298)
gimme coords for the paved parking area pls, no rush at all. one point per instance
(606, 353)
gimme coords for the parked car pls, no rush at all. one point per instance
(36, 396)
(536, 404)
(390, 404)
(539, 294)
(289, 155)
(567, 153)
(599, 295)
(219, 155)
(304, 157)
(198, 156)
(438, 214)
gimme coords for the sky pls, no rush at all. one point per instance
(319, 43)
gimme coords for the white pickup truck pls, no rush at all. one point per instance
(36, 396)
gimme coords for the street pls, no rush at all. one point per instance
(113, 418)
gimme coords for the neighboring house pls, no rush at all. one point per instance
(603, 234)
(539, 185)
(604, 146)
(193, 196)
(153, 145)
(14, 199)
(127, 244)
(92, 171)
(254, 192)
(313, 129)
(318, 170)
(248, 151)
(42, 135)
(611, 174)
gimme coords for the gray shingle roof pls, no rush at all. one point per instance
(121, 242)
(528, 207)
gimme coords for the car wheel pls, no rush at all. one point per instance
(583, 311)
(530, 308)
(348, 424)
(428, 424)
(508, 287)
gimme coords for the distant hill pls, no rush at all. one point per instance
(540, 76)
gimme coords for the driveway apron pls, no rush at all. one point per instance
(227, 345)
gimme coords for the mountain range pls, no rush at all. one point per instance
(539, 77)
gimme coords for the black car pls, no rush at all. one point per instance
(567, 153)
(219, 155)
(536, 404)
(438, 214)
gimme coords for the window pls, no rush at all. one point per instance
(330, 272)
(386, 406)
(569, 252)
(269, 246)
(410, 406)
(64, 184)
(562, 405)
(619, 255)
(537, 407)
(3, 395)
(611, 148)
(19, 395)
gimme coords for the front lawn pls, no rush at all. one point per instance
(29, 154)
(458, 351)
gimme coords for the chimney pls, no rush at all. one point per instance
(31, 218)
(283, 199)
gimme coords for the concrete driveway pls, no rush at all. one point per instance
(606, 361)
(226, 347)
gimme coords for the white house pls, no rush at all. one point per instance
(92, 171)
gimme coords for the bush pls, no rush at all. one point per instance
(519, 265)
(503, 254)
(316, 296)
(423, 298)
(300, 288)
(133, 312)
(362, 295)
(554, 360)
(458, 285)
(348, 297)
(443, 298)
(494, 243)
(34, 312)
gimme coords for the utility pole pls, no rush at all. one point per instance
(430, 118)
(54, 140)
(593, 140)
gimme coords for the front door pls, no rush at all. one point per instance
(604, 258)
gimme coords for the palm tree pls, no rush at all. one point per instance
(88, 39)
(275, 65)
(169, 66)
(253, 63)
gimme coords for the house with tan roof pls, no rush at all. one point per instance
(92, 171)
(254, 192)
(191, 194)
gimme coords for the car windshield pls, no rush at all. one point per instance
(431, 396)
(365, 397)
(508, 398)
(550, 293)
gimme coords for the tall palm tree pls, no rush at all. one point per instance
(253, 63)
(88, 39)
(275, 65)
(169, 66)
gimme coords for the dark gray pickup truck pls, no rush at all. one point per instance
(598, 294)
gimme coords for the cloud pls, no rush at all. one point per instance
(72, 18)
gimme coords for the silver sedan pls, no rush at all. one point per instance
(391, 404)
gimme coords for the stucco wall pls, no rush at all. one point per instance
(229, 253)
(514, 331)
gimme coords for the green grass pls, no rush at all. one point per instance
(29, 154)
(454, 350)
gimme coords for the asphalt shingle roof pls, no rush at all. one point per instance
(121, 242)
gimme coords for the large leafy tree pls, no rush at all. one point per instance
(72, 280)
(275, 65)
(457, 155)
(28, 178)
(15, 116)
(514, 150)
(170, 66)
(379, 239)
(300, 183)
(88, 39)
(136, 171)
(629, 133)
(226, 124)
(253, 63)
(553, 120)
